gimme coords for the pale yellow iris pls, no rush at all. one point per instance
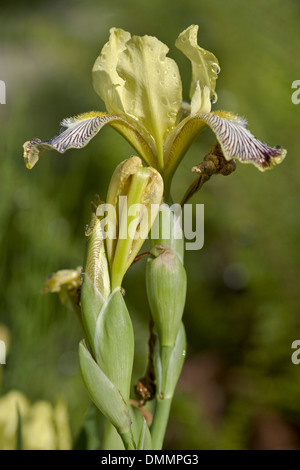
(142, 91)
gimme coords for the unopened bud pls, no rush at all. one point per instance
(166, 290)
(136, 193)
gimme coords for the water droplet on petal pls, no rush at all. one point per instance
(162, 58)
(165, 101)
(215, 67)
(171, 114)
(214, 98)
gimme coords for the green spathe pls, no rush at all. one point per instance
(166, 289)
(91, 304)
(103, 392)
(168, 363)
(114, 342)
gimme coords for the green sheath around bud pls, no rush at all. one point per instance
(166, 290)
(103, 392)
(114, 342)
(168, 364)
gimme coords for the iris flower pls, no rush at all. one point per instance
(142, 91)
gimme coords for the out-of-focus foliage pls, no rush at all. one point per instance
(239, 388)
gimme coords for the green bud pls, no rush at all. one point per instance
(166, 289)
(118, 186)
(135, 193)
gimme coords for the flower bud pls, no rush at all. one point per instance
(166, 290)
(107, 372)
(135, 193)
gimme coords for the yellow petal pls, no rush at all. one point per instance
(107, 82)
(79, 130)
(205, 69)
(179, 141)
(152, 90)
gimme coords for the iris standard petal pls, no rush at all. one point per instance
(79, 130)
(205, 69)
(107, 82)
(152, 90)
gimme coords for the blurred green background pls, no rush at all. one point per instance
(239, 388)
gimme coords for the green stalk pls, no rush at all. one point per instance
(160, 422)
(168, 356)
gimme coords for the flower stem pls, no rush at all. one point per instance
(160, 421)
